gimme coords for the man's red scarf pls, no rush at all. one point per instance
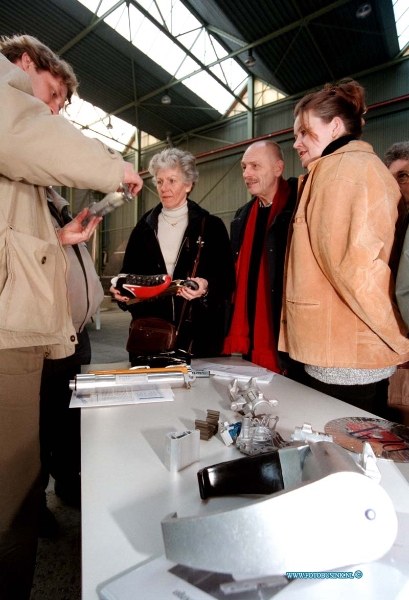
(264, 351)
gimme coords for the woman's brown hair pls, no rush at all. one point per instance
(345, 99)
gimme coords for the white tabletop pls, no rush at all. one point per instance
(127, 490)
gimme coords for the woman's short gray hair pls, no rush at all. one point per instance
(171, 158)
(398, 151)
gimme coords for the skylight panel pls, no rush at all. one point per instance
(90, 4)
(205, 50)
(149, 39)
(177, 17)
(119, 21)
(401, 10)
(186, 68)
(207, 88)
(189, 38)
(95, 123)
(104, 5)
(230, 72)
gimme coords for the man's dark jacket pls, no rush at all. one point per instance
(276, 242)
(205, 319)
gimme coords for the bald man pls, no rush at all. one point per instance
(258, 237)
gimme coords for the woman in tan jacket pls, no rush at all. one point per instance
(338, 315)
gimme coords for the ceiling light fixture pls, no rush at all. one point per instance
(166, 99)
(364, 11)
(250, 60)
(109, 124)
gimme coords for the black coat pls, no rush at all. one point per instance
(276, 242)
(205, 319)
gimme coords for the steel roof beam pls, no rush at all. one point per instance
(300, 23)
(88, 29)
(202, 66)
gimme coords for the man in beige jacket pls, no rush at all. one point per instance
(38, 148)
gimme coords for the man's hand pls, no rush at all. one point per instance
(74, 232)
(132, 179)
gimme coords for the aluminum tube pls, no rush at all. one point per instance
(90, 384)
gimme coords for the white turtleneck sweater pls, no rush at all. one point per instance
(171, 227)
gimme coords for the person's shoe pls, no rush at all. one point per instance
(141, 286)
(69, 492)
(48, 524)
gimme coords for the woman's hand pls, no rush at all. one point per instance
(117, 295)
(193, 294)
(74, 232)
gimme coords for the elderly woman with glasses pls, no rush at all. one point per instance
(397, 160)
(166, 240)
(339, 316)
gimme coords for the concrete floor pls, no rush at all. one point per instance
(58, 568)
(108, 343)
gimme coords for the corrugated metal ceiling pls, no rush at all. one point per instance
(298, 44)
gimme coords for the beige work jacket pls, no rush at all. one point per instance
(38, 149)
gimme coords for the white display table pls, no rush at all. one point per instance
(127, 490)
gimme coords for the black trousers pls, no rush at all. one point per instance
(60, 426)
(372, 397)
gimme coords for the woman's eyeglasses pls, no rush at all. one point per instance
(402, 177)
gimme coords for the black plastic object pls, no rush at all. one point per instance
(173, 358)
(259, 474)
(177, 284)
(189, 283)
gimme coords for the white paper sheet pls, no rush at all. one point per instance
(229, 371)
(138, 395)
(152, 581)
(161, 579)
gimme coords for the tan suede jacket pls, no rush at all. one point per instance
(38, 149)
(337, 307)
